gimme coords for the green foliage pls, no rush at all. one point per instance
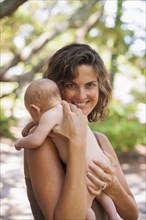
(121, 127)
(138, 95)
(6, 123)
(113, 35)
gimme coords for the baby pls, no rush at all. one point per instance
(43, 102)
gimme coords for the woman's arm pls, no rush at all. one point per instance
(73, 201)
(61, 196)
(46, 175)
(117, 188)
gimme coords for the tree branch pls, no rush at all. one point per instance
(7, 7)
(82, 31)
(23, 79)
(40, 42)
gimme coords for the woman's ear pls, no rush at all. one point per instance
(35, 109)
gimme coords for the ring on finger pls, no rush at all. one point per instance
(104, 186)
(98, 191)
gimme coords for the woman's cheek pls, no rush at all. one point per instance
(68, 95)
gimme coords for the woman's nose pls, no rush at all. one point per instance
(81, 93)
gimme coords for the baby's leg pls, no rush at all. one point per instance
(90, 214)
(108, 206)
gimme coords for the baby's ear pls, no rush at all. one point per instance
(35, 108)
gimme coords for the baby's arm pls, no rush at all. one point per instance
(27, 128)
(39, 134)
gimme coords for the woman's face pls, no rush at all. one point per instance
(83, 91)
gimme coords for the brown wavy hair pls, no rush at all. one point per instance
(62, 67)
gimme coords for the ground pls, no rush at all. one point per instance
(14, 203)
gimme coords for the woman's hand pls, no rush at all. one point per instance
(111, 181)
(74, 124)
(102, 176)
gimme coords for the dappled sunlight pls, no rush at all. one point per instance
(14, 202)
(31, 34)
(134, 169)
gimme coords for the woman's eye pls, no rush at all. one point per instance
(70, 86)
(91, 85)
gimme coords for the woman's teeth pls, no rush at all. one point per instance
(80, 104)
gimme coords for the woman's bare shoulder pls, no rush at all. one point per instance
(105, 143)
(102, 138)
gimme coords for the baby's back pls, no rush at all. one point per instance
(94, 151)
(59, 143)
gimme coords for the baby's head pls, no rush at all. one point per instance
(41, 95)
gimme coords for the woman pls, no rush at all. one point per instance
(61, 192)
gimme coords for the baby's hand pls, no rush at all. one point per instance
(27, 128)
(16, 145)
(24, 132)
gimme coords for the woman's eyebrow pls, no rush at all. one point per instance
(70, 82)
(93, 81)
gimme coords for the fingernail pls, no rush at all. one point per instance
(97, 161)
(88, 174)
(91, 165)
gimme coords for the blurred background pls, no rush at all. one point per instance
(31, 32)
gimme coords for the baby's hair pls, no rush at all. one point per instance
(41, 92)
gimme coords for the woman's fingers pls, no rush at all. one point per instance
(70, 128)
(107, 167)
(97, 170)
(69, 108)
(98, 184)
(112, 160)
(66, 107)
(74, 108)
(103, 172)
(93, 191)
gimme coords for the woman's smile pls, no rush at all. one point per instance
(80, 104)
